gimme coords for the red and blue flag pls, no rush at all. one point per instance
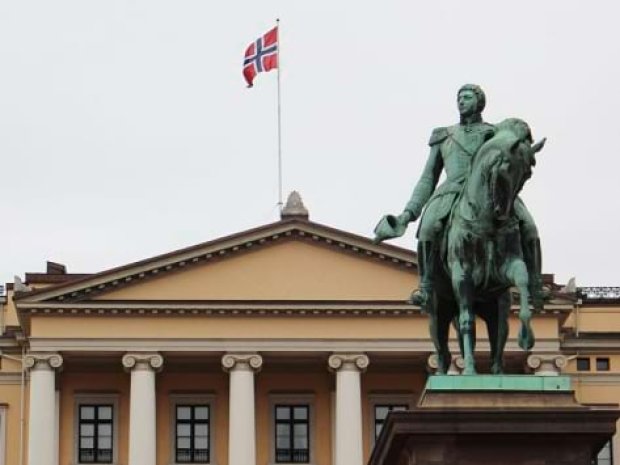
(261, 56)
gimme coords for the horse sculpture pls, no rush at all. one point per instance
(481, 255)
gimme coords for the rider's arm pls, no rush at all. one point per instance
(430, 176)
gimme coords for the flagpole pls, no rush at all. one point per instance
(280, 203)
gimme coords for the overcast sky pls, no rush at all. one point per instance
(126, 129)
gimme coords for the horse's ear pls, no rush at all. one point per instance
(538, 146)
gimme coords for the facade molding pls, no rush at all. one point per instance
(413, 345)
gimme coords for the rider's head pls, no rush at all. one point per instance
(471, 100)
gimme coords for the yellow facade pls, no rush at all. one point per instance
(294, 292)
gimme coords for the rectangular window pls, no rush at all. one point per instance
(192, 431)
(583, 364)
(381, 413)
(95, 435)
(602, 364)
(292, 431)
(605, 456)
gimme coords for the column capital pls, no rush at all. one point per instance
(143, 361)
(43, 361)
(243, 362)
(547, 364)
(348, 362)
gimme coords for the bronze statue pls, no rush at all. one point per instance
(470, 264)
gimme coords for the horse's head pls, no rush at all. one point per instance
(510, 158)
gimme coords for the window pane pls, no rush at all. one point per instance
(87, 413)
(378, 428)
(184, 413)
(300, 437)
(105, 412)
(283, 413)
(87, 456)
(300, 413)
(201, 413)
(105, 443)
(104, 456)
(87, 443)
(283, 436)
(201, 455)
(184, 456)
(183, 443)
(105, 429)
(201, 429)
(201, 442)
(381, 412)
(87, 429)
(183, 429)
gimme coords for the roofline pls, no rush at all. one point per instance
(396, 253)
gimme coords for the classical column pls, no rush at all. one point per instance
(242, 428)
(348, 367)
(142, 417)
(547, 364)
(42, 424)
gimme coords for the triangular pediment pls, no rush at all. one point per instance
(289, 260)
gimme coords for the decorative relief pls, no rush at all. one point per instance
(36, 361)
(348, 362)
(547, 364)
(232, 362)
(143, 361)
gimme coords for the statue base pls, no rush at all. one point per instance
(493, 420)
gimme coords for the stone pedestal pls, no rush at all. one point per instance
(493, 420)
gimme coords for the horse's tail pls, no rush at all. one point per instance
(526, 337)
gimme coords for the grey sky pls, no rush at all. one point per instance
(126, 129)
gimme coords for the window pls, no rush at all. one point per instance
(95, 433)
(96, 428)
(605, 456)
(583, 364)
(381, 413)
(292, 433)
(191, 425)
(602, 364)
(192, 431)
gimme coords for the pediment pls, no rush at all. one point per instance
(288, 260)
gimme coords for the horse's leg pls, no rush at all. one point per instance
(488, 312)
(501, 334)
(516, 272)
(444, 319)
(463, 287)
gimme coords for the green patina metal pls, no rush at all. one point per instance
(498, 383)
(476, 238)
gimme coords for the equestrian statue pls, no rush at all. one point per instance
(476, 238)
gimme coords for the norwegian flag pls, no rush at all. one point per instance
(261, 56)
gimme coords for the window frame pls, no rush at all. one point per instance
(605, 360)
(96, 400)
(378, 399)
(3, 419)
(585, 360)
(305, 399)
(179, 399)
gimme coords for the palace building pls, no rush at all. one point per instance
(288, 343)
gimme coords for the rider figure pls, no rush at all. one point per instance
(452, 148)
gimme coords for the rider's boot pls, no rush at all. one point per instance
(533, 261)
(426, 258)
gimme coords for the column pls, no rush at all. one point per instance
(348, 367)
(142, 411)
(242, 426)
(42, 425)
